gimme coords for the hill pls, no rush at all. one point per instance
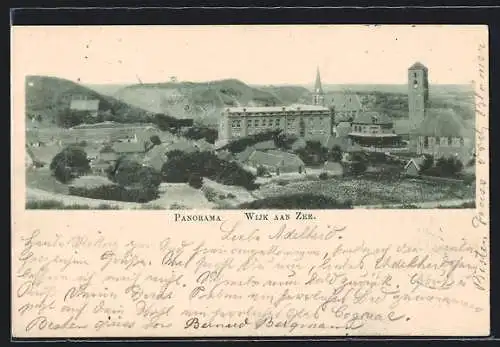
(50, 96)
(203, 101)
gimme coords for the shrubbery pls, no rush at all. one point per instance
(242, 143)
(116, 192)
(297, 201)
(445, 167)
(132, 182)
(335, 154)
(195, 181)
(180, 167)
(314, 153)
(323, 176)
(70, 163)
(200, 132)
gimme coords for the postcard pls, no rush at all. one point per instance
(250, 180)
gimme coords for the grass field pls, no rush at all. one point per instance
(43, 179)
(363, 191)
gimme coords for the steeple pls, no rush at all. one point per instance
(318, 95)
(318, 88)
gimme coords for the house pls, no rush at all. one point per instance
(85, 105)
(333, 168)
(129, 147)
(276, 162)
(107, 153)
(442, 134)
(99, 166)
(412, 168)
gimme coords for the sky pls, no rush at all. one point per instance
(355, 54)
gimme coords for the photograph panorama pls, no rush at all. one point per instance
(250, 117)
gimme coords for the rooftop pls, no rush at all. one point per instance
(372, 117)
(344, 101)
(84, 105)
(128, 147)
(417, 66)
(273, 109)
(442, 123)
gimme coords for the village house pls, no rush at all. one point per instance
(85, 105)
(374, 131)
(412, 168)
(442, 134)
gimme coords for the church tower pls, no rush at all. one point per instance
(318, 94)
(418, 98)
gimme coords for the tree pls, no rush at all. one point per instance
(155, 140)
(195, 181)
(71, 162)
(427, 163)
(359, 163)
(335, 154)
(448, 167)
(130, 173)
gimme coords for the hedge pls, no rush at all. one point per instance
(116, 193)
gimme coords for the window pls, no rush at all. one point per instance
(461, 141)
(450, 140)
(256, 122)
(414, 75)
(277, 122)
(233, 124)
(426, 142)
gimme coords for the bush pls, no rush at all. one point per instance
(323, 176)
(131, 173)
(199, 132)
(155, 140)
(71, 162)
(210, 195)
(446, 167)
(195, 181)
(242, 143)
(335, 154)
(427, 163)
(116, 193)
(180, 167)
(261, 171)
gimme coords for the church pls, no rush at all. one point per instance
(439, 132)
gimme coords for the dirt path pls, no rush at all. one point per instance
(170, 194)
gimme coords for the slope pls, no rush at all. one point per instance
(48, 96)
(201, 101)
